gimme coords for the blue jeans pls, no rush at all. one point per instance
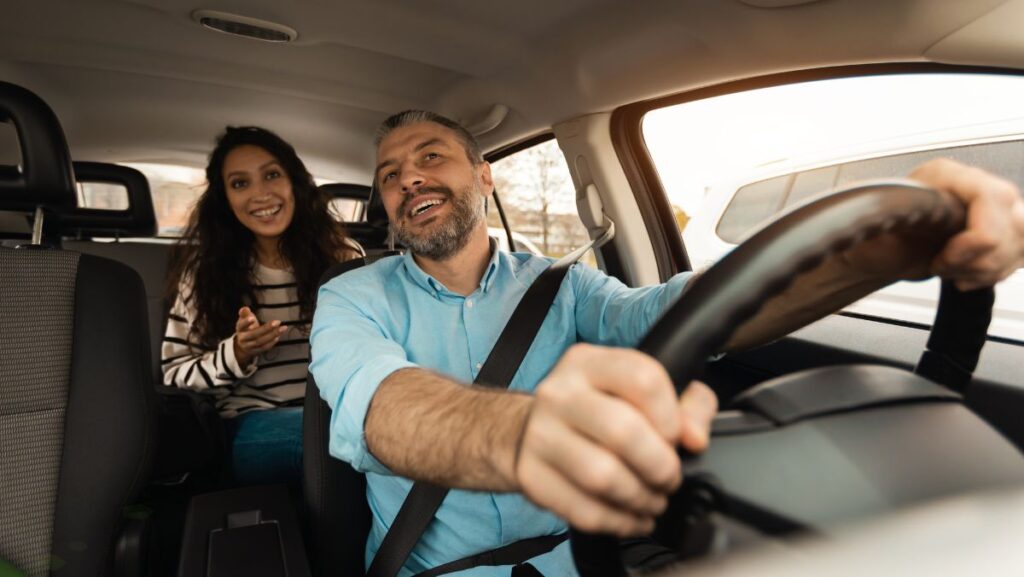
(266, 446)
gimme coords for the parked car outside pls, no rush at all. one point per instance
(733, 209)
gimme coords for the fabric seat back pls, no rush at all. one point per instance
(76, 405)
(337, 514)
(76, 433)
(150, 260)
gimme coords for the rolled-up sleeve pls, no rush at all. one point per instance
(351, 355)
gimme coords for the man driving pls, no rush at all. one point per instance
(587, 431)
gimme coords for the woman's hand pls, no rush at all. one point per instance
(252, 338)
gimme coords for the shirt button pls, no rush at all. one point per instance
(478, 365)
(469, 304)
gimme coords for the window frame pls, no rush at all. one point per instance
(608, 258)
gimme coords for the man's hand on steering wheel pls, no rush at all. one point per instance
(598, 448)
(991, 248)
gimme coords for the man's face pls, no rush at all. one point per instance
(433, 194)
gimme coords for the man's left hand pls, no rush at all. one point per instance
(991, 247)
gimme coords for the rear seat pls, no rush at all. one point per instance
(151, 260)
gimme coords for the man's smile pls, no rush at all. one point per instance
(422, 207)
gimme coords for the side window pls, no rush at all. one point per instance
(731, 163)
(537, 194)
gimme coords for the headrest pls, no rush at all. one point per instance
(376, 215)
(139, 219)
(45, 176)
(372, 233)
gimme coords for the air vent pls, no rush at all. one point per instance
(244, 26)
(776, 3)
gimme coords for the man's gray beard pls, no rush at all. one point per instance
(442, 242)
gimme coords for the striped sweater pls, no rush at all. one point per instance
(276, 378)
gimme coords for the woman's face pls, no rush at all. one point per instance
(259, 191)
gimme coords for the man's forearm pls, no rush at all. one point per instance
(426, 427)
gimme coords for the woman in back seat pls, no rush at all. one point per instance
(243, 281)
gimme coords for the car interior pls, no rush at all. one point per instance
(855, 433)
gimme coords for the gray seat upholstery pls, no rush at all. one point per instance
(76, 404)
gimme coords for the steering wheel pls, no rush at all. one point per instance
(733, 290)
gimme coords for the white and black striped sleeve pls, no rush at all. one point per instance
(187, 365)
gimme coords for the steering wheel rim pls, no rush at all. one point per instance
(735, 288)
(765, 264)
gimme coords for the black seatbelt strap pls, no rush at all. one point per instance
(511, 554)
(424, 499)
(956, 340)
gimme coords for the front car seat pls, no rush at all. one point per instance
(76, 404)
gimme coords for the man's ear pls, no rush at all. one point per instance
(486, 181)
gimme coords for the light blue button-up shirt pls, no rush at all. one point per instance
(372, 321)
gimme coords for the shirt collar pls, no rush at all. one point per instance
(485, 282)
(436, 287)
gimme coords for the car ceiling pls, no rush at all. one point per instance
(139, 80)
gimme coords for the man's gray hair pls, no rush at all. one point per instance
(407, 117)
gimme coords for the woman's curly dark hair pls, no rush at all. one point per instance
(216, 252)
